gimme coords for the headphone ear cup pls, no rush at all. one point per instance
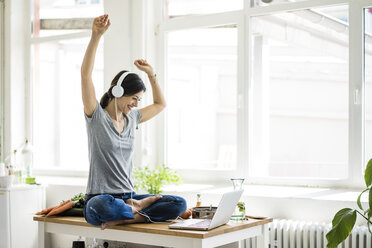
(117, 91)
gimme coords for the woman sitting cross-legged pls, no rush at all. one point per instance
(110, 196)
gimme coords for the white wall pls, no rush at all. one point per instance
(117, 42)
(132, 36)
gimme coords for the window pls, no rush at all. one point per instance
(292, 99)
(58, 47)
(64, 17)
(299, 104)
(202, 80)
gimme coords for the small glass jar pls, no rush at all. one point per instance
(239, 213)
(198, 200)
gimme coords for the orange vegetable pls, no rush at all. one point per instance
(187, 214)
(45, 211)
(61, 208)
(193, 213)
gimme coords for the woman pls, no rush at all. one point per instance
(110, 197)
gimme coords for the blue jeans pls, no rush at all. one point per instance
(112, 207)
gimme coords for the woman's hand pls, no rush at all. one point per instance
(142, 65)
(159, 104)
(100, 25)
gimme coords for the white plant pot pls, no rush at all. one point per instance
(6, 181)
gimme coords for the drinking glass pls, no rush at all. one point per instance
(239, 212)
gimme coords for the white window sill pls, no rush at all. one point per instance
(62, 181)
(263, 191)
(280, 202)
(280, 192)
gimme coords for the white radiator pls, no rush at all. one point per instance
(297, 234)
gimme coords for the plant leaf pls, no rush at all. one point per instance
(358, 201)
(154, 179)
(366, 211)
(368, 173)
(342, 224)
(369, 215)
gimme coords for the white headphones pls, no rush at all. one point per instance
(118, 90)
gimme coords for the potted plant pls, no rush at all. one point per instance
(344, 220)
(153, 180)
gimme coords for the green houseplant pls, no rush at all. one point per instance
(153, 180)
(344, 220)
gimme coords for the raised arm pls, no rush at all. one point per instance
(158, 98)
(100, 25)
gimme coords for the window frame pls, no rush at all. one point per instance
(53, 170)
(356, 102)
(34, 40)
(231, 17)
(2, 18)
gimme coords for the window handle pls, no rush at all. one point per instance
(240, 101)
(356, 97)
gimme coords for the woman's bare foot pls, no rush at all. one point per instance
(138, 205)
(137, 219)
(104, 225)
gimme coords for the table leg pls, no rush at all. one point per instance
(41, 235)
(263, 240)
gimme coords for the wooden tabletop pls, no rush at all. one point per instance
(161, 228)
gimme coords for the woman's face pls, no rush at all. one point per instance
(127, 103)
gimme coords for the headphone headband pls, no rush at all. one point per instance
(118, 90)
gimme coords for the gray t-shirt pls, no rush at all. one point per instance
(110, 152)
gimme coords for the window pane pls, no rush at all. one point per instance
(59, 130)
(299, 121)
(368, 84)
(201, 96)
(174, 8)
(56, 17)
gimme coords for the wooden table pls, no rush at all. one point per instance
(156, 234)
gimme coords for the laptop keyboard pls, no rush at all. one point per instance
(201, 224)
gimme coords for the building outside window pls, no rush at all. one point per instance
(299, 101)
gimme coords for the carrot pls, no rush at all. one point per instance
(45, 211)
(60, 205)
(187, 214)
(62, 208)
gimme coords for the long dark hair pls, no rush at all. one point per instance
(132, 84)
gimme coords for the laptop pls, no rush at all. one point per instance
(223, 213)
